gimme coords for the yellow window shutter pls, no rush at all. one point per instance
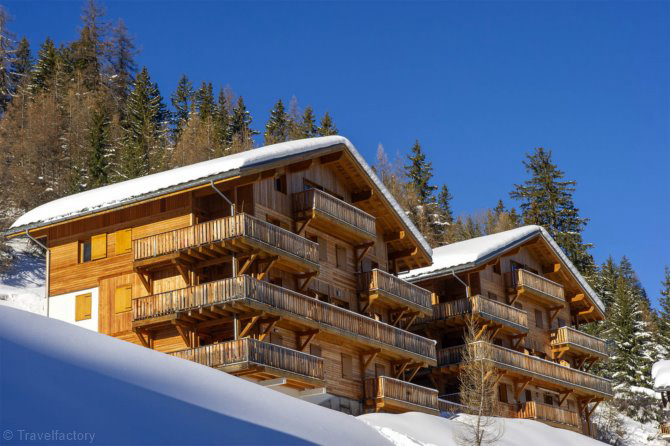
(99, 246)
(123, 298)
(123, 241)
(82, 307)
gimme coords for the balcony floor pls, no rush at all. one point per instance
(260, 373)
(334, 226)
(385, 404)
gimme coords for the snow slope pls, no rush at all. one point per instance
(58, 376)
(22, 284)
(414, 429)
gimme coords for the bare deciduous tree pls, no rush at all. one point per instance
(477, 389)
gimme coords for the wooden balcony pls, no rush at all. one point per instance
(259, 360)
(558, 416)
(323, 211)
(214, 302)
(664, 429)
(536, 287)
(387, 289)
(516, 363)
(393, 395)
(452, 313)
(212, 240)
(568, 339)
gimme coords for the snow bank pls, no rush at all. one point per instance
(418, 429)
(660, 373)
(54, 375)
(195, 174)
(476, 251)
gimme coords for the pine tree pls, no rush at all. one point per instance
(182, 100)
(44, 72)
(204, 101)
(122, 62)
(664, 302)
(546, 200)
(222, 131)
(277, 127)
(143, 149)
(420, 172)
(327, 126)
(99, 143)
(22, 63)
(444, 204)
(240, 127)
(308, 127)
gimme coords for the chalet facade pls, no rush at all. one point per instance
(277, 265)
(530, 300)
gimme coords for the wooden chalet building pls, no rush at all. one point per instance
(276, 265)
(530, 299)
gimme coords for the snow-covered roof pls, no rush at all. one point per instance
(126, 192)
(660, 373)
(474, 252)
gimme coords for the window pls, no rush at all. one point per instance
(82, 307)
(123, 297)
(280, 184)
(539, 322)
(340, 256)
(85, 251)
(123, 241)
(347, 366)
(502, 392)
(380, 370)
(548, 399)
(496, 267)
(492, 296)
(323, 249)
(314, 350)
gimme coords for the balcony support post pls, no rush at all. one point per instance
(557, 353)
(268, 264)
(182, 330)
(182, 271)
(414, 372)
(411, 320)
(553, 312)
(372, 354)
(146, 281)
(145, 342)
(309, 336)
(271, 322)
(399, 315)
(249, 326)
(247, 263)
(591, 362)
(363, 248)
(401, 366)
(307, 278)
(499, 376)
(564, 396)
(236, 326)
(517, 339)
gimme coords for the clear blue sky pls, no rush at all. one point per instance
(479, 84)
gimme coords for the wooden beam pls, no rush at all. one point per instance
(553, 312)
(403, 253)
(194, 253)
(401, 313)
(269, 263)
(371, 299)
(365, 247)
(268, 174)
(498, 378)
(145, 281)
(362, 195)
(519, 386)
(182, 270)
(372, 355)
(331, 157)
(577, 298)
(557, 353)
(590, 310)
(310, 335)
(183, 333)
(552, 268)
(516, 340)
(299, 166)
(411, 320)
(481, 331)
(271, 323)
(401, 365)
(414, 372)
(301, 226)
(247, 263)
(249, 325)
(140, 336)
(307, 277)
(393, 236)
(214, 261)
(564, 396)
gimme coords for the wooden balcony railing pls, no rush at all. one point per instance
(570, 336)
(534, 410)
(529, 365)
(484, 308)
(247, 290)
(384, 387)
(665, 430)
(255, 352)
(400, 290)
(537, 285)
(445, 405)
(240, 225)
(336, 209)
